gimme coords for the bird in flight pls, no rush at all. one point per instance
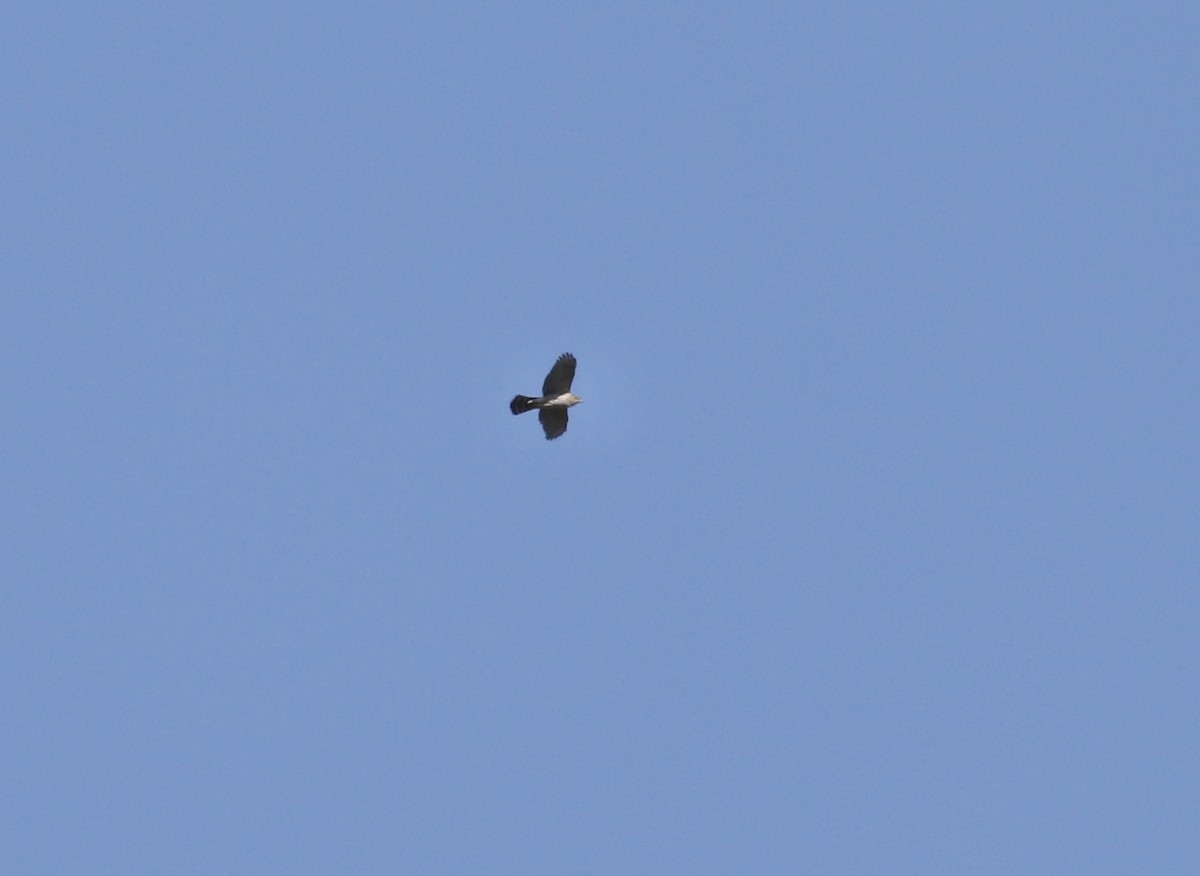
(556, 397)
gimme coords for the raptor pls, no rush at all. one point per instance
(556, 397)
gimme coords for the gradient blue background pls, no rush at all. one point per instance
(873, 548)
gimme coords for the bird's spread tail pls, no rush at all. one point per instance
(521, 404)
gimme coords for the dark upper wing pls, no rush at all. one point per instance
(554, 421)
(559, 379)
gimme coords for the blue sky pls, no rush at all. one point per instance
(872, 548)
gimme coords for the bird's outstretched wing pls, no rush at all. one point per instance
(559, 379)
(553, 420)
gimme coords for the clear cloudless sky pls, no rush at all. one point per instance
(872, 548)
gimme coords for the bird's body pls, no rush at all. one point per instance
(556, 397)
